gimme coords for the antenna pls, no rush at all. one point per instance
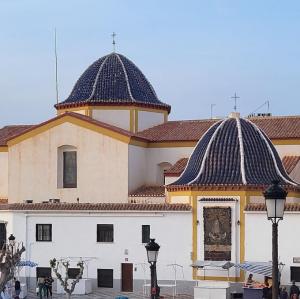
(211, 110)
(56, 77)
(266, 103)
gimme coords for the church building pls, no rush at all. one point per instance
(110, 170)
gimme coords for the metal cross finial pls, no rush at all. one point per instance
(235, 97)
(114, 42)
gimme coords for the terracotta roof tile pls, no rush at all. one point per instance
(177, 168)
(8, 132)
(290, 162)
(276, 127)
(186, 130)
(149, 191)
(93, 207)
(260, 207)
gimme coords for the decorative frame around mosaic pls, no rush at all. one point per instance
(217, 233)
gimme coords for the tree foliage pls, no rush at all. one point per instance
(9, 259)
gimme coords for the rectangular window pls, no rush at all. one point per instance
(105, 278)
(295, 274)
(44, 232)
(70, 169)
(2, 235)
(145, 233)
(105, 232)
(73, 272)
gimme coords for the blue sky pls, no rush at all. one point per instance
(195, 53)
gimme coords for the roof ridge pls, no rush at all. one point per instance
(242, 152)
(97, 77)
(267, 140)
(207, 150)
(126, 77)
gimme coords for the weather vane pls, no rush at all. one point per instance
(114, 42)
(235, 97)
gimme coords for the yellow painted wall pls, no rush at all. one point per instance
(102, 165)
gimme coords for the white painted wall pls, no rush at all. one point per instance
(78, 238)
(101, 160)
(156, 156)
(258, 236)
(137, 170)
(3, 174)
(288, 150)
(118, 118)
(295, 174)
(147, 119)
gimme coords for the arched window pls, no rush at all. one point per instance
(161, 168)
(67, 167)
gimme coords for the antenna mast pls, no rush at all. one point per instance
(56, 77)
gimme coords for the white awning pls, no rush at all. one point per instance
(214, 264)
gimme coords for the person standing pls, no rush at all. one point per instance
(40, 284)
(48, 283)
(17, 288)
(294, 291)
(283, 293)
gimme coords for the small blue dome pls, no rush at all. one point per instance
(113, 79)
(234, 151)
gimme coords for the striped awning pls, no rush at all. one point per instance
(26, 264)
(263, 268)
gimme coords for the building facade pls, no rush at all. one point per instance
(110, 159)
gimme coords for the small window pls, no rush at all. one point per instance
(105, 278)
(145, 233)
(73, 272)
(105, 232)
(2, 234)
(44, 232)
(295, 274)
(70, 169)
(43, 272)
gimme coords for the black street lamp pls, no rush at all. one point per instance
(12, 242)
(152, 254)
(275, 197)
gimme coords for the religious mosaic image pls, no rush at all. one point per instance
(217, 233)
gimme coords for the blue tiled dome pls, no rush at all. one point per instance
(234, 151)
(113, 79)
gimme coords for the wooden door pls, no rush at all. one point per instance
(127, 277)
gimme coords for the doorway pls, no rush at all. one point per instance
(127, 277)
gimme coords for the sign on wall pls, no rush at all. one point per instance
(217, 233)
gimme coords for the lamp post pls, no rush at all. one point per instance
(152, 253)
(275, 197)
(12, 242)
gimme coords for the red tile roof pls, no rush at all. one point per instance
(290, 162)
(186, 130)
(150, 191)
(93, 207)
(177, 168)
(260, 207)
(8, 132)
(276, 127)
